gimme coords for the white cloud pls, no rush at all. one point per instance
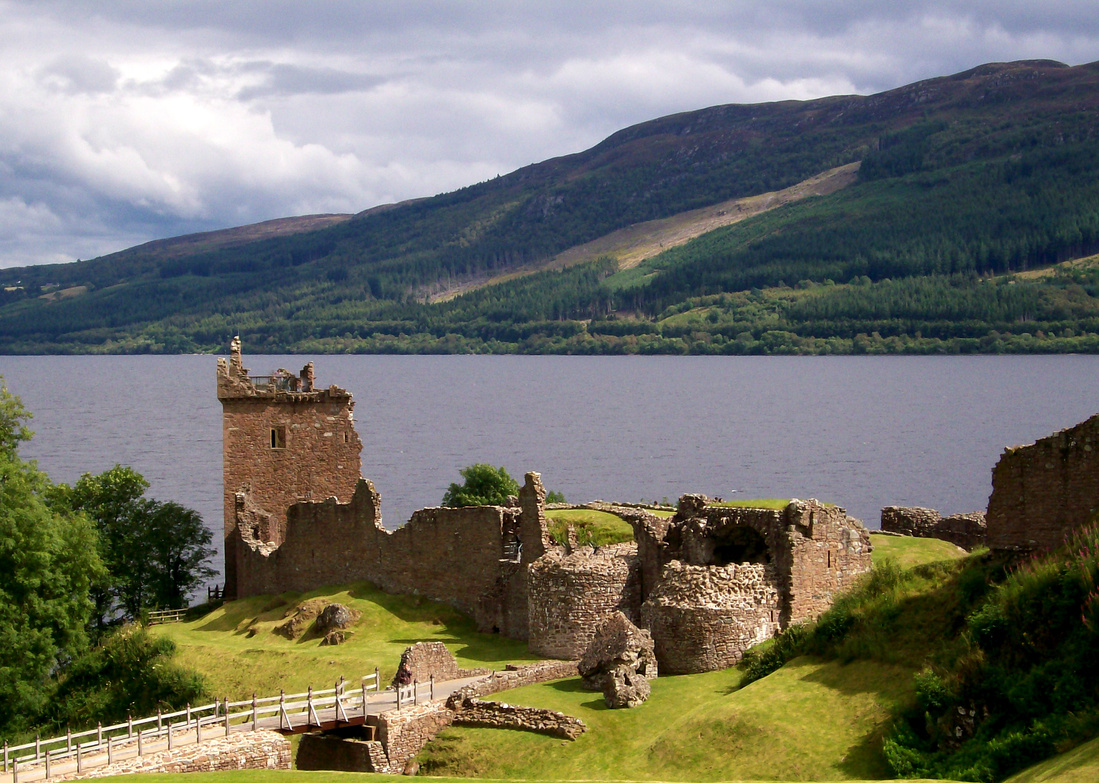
(123, 120)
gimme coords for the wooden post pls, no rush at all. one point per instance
(47, 765)
(363, 683)
(5, 756)
(198, 730)
(37, 746)
(433, 687)
(98, 734)
(68, 739)
(377, 680)
(282, 707)
(139, 748)
(254, 718)
(159, 719)
(226, 716)
(169, 735)
(188, 713)
(415, 688)
(15, 771)
(110, 750)
(129, 725)
(79, 760)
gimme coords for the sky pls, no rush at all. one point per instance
(123, 121)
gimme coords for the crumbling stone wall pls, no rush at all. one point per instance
(425, 660)
(1043, 491)
(718, 579)
(404, 732)
(242, 750)
(572, 594)
(828, 552)
(705, 617)
(470, 711)
(967, 531)
(453, 555)
(283, 441)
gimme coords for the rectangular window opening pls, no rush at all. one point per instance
(278, 437)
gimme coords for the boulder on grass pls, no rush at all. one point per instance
(617, 645)
(623, 688)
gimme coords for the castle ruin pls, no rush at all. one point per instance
(708, 583)
(1043, 491)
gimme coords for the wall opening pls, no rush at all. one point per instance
(278, 437)
(740, 544)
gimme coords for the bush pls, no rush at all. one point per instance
(484, 486)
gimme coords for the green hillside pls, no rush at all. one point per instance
(919, 216)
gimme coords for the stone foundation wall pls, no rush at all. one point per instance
(404, 732)
(571, 596)
(326, 752)
(495, 715)
(543, 671)
(967, 531)
(246, 750)
(1043, 491)
(704, 618)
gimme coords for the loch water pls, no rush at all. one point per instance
(862, 432)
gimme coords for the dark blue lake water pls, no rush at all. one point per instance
(862, 432)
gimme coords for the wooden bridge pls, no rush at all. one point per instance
(313, 710)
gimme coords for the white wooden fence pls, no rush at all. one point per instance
(285, 712)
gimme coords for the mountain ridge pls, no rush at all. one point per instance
(393, 270)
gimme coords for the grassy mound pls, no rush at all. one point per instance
(813, 720)
(1004, 655)
(908, 552)
(596, 527)
(237, 651)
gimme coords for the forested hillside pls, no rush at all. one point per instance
(966, 185)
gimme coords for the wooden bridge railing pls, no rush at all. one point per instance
(292, 711)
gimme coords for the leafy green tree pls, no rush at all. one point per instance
(48, 561)
(155, 552)
(128, 673)
(484, 486)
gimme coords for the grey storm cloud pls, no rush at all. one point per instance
(124, 120)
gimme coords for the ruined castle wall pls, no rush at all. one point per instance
(1042, 491)
(829, 551)
(451, 555)
(571, 596)
(703, 618)
(967, 531)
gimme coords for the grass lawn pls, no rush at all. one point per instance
(1079, 765)
(235, 648)
(808, 721)
(908, 552)
(599, 527)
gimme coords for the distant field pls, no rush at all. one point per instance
(235, 648)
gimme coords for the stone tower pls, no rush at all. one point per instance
(283, 441)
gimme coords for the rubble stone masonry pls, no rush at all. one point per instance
(967, 531)
(244, 750)
(1043, 491)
